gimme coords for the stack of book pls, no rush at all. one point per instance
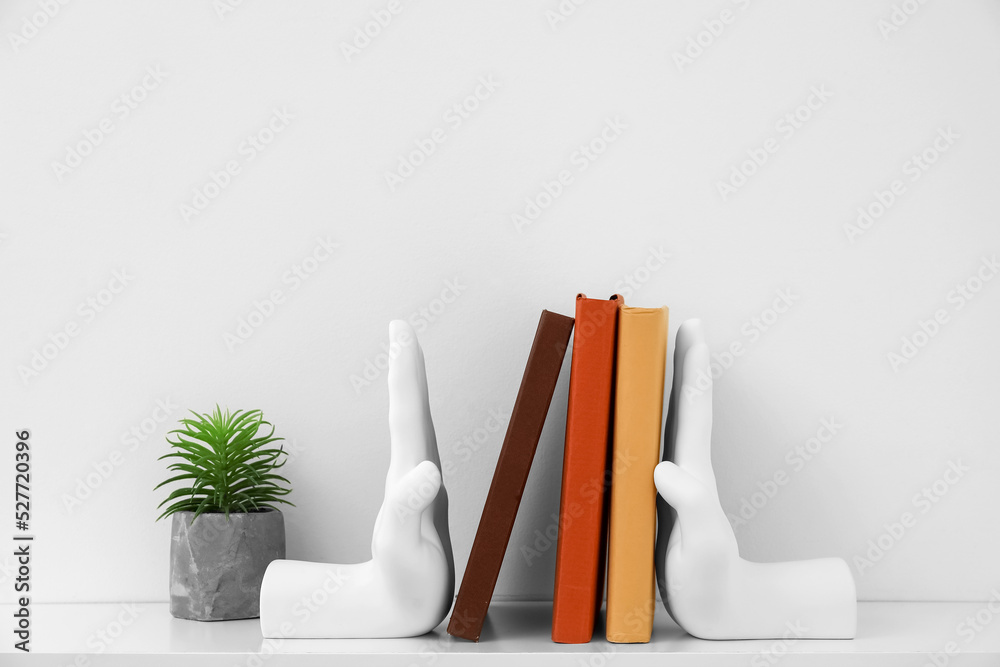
(613, 427)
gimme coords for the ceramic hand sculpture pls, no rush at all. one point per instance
(706, 587)
(407, 588)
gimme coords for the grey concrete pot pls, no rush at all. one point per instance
(216, 565)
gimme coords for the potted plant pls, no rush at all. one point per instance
(225, 526)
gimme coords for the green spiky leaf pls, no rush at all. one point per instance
(226, 462)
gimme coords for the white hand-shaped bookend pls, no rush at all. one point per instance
(706, 587)
(407, 588)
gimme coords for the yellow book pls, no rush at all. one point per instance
(641, 360)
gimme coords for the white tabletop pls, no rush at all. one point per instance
(889, 633)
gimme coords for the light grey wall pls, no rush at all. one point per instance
(681, 128)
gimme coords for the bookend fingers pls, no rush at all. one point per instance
(705, 586)
(411, 430)
(406, 588)
(684, 493)
(411, 435)
(693, 421)
(400, 529)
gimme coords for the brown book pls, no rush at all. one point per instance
(511, 474)
(583, 520)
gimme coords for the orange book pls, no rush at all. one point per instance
(640, 365)
(581, 547)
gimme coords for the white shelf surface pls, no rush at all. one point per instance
(889, 634)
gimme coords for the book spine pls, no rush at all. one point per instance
(641, 362)
(516, 454)
(579, 577)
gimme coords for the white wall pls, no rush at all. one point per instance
(162, 337)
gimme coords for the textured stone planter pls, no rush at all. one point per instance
(216, 565)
